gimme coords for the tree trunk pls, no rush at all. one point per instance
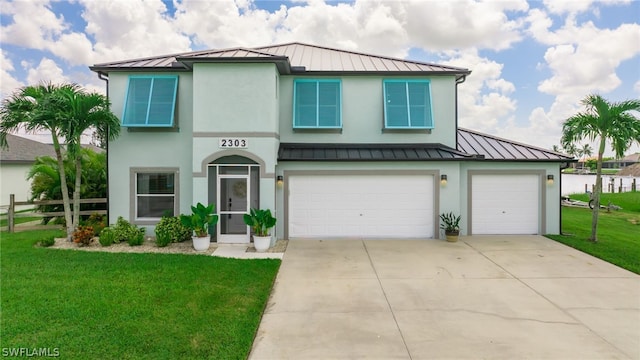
(596, 192)
(63, 186)
(76, 191)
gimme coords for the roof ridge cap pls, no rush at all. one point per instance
(367, 54)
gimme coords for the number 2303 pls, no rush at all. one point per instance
(233, 143)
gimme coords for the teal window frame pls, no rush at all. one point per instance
(316, 109)
(417, 114)
(150, 105)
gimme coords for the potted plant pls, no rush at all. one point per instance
(199, 221)
(451, 226)
(260, 222)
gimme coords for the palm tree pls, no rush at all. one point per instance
(603, 121)
(556, 148)
(30, 108)
(83, 111)
(66, 111)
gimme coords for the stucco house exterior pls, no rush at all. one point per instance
(338, 144)
(15, 162)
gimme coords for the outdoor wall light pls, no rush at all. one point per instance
(443, 180)
(549, 179)
(280, 180)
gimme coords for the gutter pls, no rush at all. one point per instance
(105, 77)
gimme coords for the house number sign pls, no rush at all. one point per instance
(233, 143)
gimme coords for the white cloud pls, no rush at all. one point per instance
(444, 25)
(34, 24)
(131, 29)
(484, 98)
(8, 83)
(46, 71)
(221, 24)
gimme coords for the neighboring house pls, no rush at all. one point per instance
(338, 144)
(622, 163)
(15, 163)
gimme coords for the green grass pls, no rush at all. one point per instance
(93, 305)
(618, 231)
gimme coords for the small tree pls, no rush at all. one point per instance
(65, 111)
(603, 121)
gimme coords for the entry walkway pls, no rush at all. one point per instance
(505, 297)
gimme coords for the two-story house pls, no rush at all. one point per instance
(338, 144)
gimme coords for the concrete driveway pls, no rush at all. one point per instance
(498, 297)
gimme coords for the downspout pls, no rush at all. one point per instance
(458, 82)
(562, 167)
(104, 78)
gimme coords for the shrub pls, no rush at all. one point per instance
(97, 221)
(47, 242)
(83, 235)
(137, 237)
(169, 230)
(107, 236)
(124, 231)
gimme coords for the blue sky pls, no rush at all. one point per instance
(531, 61)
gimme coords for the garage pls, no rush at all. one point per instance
(505, 204)
(360, 206)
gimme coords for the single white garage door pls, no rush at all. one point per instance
(505, 204)
(361, 206)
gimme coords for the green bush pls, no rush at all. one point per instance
(136, 238)
(125, 231)
(169, 230)
(47, 241)
(107, 236)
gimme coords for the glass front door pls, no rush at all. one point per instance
(234, 189)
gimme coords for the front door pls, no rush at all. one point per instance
(234, 189)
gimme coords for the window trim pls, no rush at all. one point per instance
(317, 105)
(172, 122)
(408, 126)
(133, 192)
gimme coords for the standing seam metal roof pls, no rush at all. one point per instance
(313, 58)
(495, 148)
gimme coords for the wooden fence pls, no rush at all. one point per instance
(11, 212)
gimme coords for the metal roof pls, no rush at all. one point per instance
(299, 58)
(368, 152)
(495, 148)
(24, 151)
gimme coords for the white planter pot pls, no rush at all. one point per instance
(261, 243)
(201, 243)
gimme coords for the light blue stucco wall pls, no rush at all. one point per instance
(149, 149)
(363, 109)
(235, 98)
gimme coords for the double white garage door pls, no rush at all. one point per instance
(402, 206)
(361, 206)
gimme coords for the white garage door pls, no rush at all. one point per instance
(361, 206)
(505, 204)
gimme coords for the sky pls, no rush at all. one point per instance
(532, 62)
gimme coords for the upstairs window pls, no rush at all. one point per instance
(317, 104)
(407, 104)
(150, 101)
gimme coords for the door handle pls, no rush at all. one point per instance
(230, 204)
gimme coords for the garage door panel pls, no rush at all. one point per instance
(360, 206)
(505, 204)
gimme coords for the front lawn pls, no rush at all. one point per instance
(92, 305)
(618, 231)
